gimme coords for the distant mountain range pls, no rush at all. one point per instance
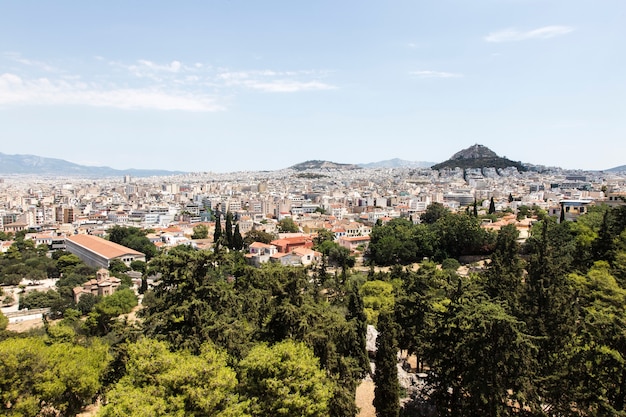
(37, 165)
(398, 163)
(476, 156)
(621, 168)
(322, 165)
(390, 163)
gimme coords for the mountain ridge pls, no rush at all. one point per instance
(397, 163)
(32, 164)
(476, 156)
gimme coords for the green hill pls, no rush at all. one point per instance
(478, 157)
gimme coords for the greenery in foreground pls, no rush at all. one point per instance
(539, 332)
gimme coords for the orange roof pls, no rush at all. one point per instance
(292, 240)
(102, 247)
(355, 238)
(305, 251)
(261, 245)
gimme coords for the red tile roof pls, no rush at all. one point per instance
(102, 247)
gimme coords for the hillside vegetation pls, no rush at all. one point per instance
(540, 331)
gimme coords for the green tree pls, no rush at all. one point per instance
(67, 263)
(200, 232)
(433, 212)
(228, 231)
(358, 319)
(490, 369)
(159, 382)
(394, 243)
(504, 275)
(87, 302)
(116, 266)
(323, 235)
(387, 390)
(377, 297)
(256, 235)
(549, 303)
(217, 234)
(285, 380)
(194, 303)
(492, 206)
(287, 225)
(134, 238)
(423, 295)
(99, 320)
(4, 322)
(139, 266)
(461, 234)
(237, 238)
(62, 376)
(595, 379)
(40, 299)
(337, 255)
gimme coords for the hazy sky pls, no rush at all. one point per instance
(229, 85)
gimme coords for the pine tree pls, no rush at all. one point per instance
(492, 206)
(387, 390)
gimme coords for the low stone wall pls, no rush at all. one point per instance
(23, 315)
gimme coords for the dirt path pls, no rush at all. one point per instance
(365, 398)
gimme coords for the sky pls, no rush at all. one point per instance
(228, 85)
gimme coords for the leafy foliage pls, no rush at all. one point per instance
(287, 225)
(163, 383)
(450, 236)
(61, 376)
(134, 238)
(285, 380)
(200, 232)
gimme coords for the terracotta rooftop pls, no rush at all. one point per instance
(102, 247)
(261, 245)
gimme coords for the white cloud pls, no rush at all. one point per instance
(43, 91)
(15, 57)
(146, 84)
(512, 35)
(436, 74)
(273, 81)
(286, 86)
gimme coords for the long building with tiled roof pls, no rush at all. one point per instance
(98, 252)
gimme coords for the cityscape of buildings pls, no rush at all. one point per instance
(347, 202)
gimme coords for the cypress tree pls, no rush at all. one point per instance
(218, 229)
(387, 390)
(357, 317)
(237, 238)
(229, 230)
(492, 206)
